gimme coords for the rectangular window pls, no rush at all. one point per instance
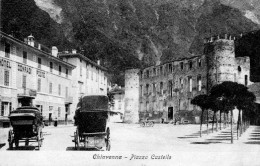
(7, 50)
(154, 89)
(141, 90)
(190, 83)
(59, 89)
(147, 88)
(154, 71)
(170, 87)
(6, 78)
(170, 68)
(59, 70)
(190, 65)
(147, 73)
(161, 88)
(246, 80)
(141, 74)
(199, 83)
(59, 111)
(24, 82)
(181, 65)
(199, 62)
(39, 62)
(51, 67)
(66, 92)
(50, 88)
(67, 73)
(6, 108)
(161, 70)
(24, 57)
(39, 85)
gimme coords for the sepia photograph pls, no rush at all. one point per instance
(130, 82)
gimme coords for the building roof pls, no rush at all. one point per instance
(73, 55)
(48, 55)
(175, 60)
(117, 91)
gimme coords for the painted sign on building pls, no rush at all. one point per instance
(5, 63)
(25, 69)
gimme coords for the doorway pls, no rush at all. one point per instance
(170, 113)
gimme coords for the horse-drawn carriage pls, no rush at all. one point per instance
(26, 125)
(91, 119)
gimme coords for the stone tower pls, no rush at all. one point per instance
(221, 60)
(131, 96)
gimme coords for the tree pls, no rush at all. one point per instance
(234, 95)
(202, 102)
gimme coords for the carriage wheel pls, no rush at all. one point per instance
(40, 140)
(108, 145)
(142, 124)
(27, 142)
(151, 124)
(10, 139)
(76, 140)
(16, 142)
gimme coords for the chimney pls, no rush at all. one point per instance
(31, 40)
(98, 62)
(39, 46)
(74, 51)
(54, 51)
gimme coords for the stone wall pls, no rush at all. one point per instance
(131, 96)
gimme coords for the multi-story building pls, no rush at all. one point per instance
(31, 75)
(118, 106)
(166, 90)
(88, 78)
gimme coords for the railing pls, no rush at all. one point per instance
(26, 92)
(69, 99)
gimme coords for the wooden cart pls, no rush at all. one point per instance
(26, 125)
(91, 119)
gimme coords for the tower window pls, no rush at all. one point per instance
(190, 65)
(239, 69)
(181, 64)
(246, 80)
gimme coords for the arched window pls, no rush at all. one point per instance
(239, 69)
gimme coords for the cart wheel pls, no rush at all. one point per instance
(151, 124)
(108, 145)
(27, 142)
(10, 139)
(142, 124)
(16, 142)
(40, 139)
(76, 140)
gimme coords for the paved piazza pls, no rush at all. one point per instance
(181, 142)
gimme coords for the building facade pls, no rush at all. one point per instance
(119, 103)
(30, 75)
(88, 78)
(166, 90)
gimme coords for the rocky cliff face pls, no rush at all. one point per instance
(154, 31)
(134, 33)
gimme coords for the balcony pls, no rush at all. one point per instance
(26, 93)
(68, 100)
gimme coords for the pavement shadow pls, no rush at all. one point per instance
(23, 148)
(2, 145)
(206, 143)
(72, 148)
(254, 137)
